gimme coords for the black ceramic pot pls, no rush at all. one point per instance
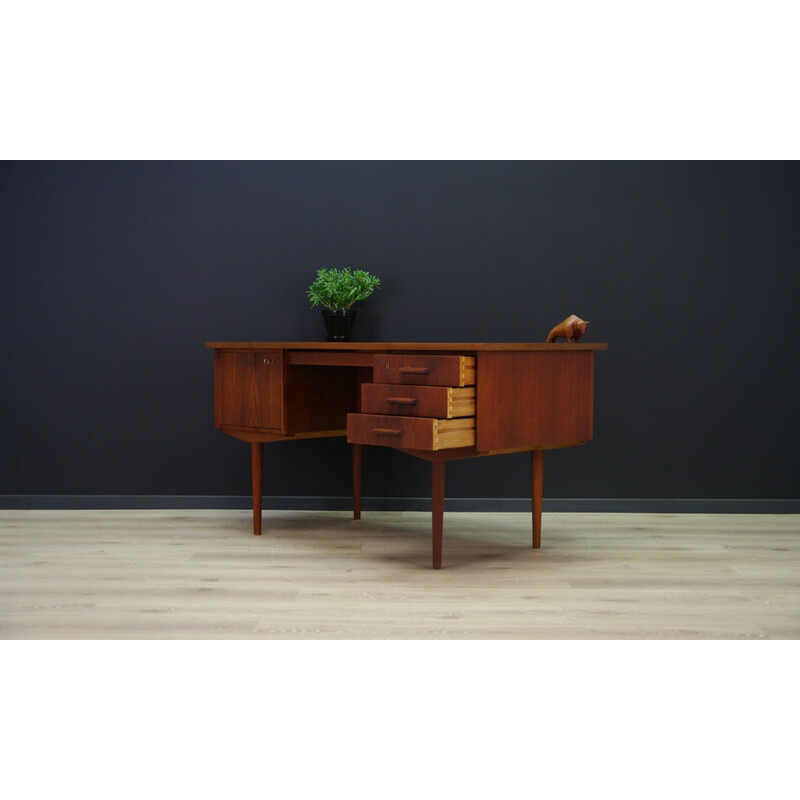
(339, 324)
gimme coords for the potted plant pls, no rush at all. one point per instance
(336, 290)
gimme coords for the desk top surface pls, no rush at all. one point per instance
(384, 346)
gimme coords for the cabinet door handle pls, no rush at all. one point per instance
(402, 401)
(415, 370)
(388, 431)
(268, 361)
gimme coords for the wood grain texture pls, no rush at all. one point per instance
(329, 358)
(358, 464)
(424, 369)
(256, 435)
(537, 485)
(320, 575)
(534, 399)
(411, 433)
(256, 468)
(441, 347)
(443, 402)
(437, 511)
(250, 390)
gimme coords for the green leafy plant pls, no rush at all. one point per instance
(339, 288)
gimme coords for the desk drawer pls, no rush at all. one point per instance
(412, 433)
(418, 401)
(424, 369)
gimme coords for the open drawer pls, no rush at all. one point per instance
(418, 401)
(412, 433)
(428, 370)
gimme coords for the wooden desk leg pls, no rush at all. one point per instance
(537, 480)
(357, 464)
(437, 510)
(256, 462)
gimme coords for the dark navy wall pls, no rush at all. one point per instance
(114, 274)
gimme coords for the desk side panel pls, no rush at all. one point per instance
(534, 399)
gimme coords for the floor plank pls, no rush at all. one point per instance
(319, 575)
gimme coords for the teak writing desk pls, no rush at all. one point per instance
(428, 399)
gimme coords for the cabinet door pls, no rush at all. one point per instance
(250, 389)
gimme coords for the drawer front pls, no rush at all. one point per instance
(418, 401)
(424, 369)
(411, 433)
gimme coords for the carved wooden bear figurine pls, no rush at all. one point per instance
(572, 328)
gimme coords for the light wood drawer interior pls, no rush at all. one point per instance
(413, 433)
(417, 401)
(430, 370)
(444, 402)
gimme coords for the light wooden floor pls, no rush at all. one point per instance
(320, 575)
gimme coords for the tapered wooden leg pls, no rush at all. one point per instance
(357, 464)
(256, 464)
(537, 480)
(437, 509)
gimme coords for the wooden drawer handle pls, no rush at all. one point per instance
(388, 431)
(415, 370)
(402, 401)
